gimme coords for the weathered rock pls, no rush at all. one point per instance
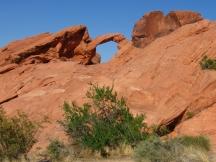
(73, 44)
(163, 80)
(89, 50)
(185, 17)
(7, 68)
(154, 24)
(45, 47)
(202, 123)
(96, 59)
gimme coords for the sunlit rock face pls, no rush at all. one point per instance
(162, 80)
(155, 24)
(70, 44)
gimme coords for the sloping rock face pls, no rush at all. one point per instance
(155, 24)
(70, 44)
(163, 80)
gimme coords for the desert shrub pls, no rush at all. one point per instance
(191, 154)
(152, 150)
(104, 122)
(190, 115)
(17, 135)
(208, 63)
(180, 149)
(57, 150)
(157, 130)
(199, 142)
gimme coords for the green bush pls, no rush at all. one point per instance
(181, 149)
(17, 135)
(104, 122)
(190, 115)
(56, 150)
(159, 130)
(208, 63)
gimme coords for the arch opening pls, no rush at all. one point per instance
(107, 51)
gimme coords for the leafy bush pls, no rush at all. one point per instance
(16, 135)
(57, 150)
(105, 122)
(208, 63)
(181, 149)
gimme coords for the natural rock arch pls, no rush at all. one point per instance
(89, 49)
(70, 44)
(115, 37)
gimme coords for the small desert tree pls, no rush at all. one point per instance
(104, 122)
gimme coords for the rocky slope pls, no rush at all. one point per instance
(162, 79)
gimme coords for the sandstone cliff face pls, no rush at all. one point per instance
(163, 80)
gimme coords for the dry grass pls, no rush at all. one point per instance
(181, 149)
(124, 153)
(69, 159)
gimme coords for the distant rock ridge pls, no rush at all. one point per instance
(155, 24)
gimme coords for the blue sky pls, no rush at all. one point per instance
(22, 18)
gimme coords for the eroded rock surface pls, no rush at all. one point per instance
(89, 50)
(69, 44)
(163, 80)
(155, 24)
(44, 47)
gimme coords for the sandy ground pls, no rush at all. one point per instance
(125, 159)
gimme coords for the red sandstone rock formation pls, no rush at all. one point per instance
(163, 80)
(89, 50)
(73, 43)
(155, 24)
